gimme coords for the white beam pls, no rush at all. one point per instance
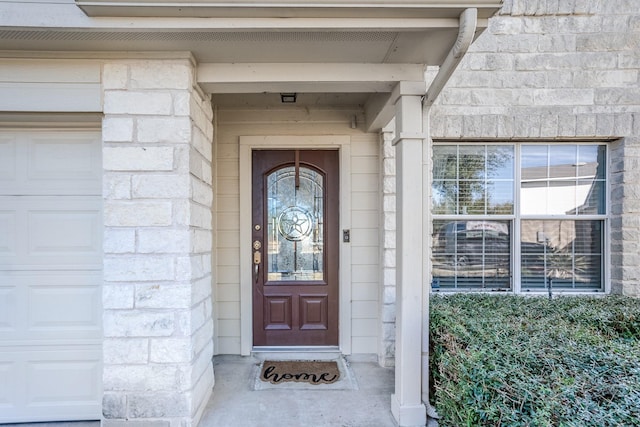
(380, 109)
(297, 87)
(378, 112)
(306, 72)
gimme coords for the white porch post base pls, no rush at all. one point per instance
(408, 415)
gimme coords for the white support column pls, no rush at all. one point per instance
(406, 402)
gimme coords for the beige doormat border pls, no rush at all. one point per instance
(347, 380)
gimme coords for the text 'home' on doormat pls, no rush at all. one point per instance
(312, 372)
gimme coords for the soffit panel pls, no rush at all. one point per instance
(311, 31)
(416, 47)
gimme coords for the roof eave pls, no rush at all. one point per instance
(287, 9)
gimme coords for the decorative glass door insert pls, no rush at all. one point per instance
(295, 203)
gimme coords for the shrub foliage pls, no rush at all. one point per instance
(517, 361)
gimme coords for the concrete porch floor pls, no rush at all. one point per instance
(235, 404)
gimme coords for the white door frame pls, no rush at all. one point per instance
(342, 143)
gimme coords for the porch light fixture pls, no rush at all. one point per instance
(288, 98)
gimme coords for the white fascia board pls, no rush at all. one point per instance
(68, 16)
(321, 77)
(287, 9)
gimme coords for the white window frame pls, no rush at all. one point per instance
(516, 218)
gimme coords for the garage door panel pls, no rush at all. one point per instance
(50, 275)
(57, 162)
(7, 160)
(64, 310)
(67, 157)
(51, 232)
(57, 383)
(57, 305)
(70, 377)
(8, 233)
(63, 232)
(10, 384)
(9, 301)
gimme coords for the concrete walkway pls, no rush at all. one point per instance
(235, 404)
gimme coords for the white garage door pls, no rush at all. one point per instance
(50, 275)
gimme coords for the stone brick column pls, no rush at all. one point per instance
(386, 355)
(624, 175)
(157, 135)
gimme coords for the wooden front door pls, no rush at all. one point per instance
(295, 248)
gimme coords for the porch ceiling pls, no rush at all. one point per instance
(250, 31)
(421, 41)
(254, 46)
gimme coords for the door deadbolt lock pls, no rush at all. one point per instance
(257, 245)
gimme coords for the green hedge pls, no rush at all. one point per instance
(500, 360)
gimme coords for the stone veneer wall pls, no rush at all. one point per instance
(157, 147)
(556, 70)
(386, 354)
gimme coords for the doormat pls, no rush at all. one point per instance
(307, 371)
(297, 374)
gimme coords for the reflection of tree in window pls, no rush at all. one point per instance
(561, 216)
(473, 179)
(568, 252)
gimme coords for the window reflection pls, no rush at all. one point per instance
(565, 251)
(473, 179)
(471, 254)
(562, 179)
(500, 162)
(471, 163)
(499, 197)
(559, 185)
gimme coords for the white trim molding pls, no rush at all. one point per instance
(289, 9)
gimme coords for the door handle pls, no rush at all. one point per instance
(257, 259)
